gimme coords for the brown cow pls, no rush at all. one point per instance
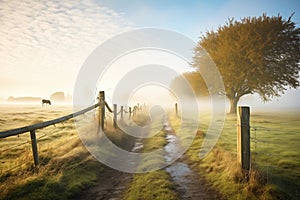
(45, 101)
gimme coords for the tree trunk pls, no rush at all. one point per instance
(233, 105)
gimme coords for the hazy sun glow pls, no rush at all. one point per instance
(153, 95)
(125, 64)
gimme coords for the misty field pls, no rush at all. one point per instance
(67, 168)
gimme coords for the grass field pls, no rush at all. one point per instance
(275, 147)
(275, 155)
(66, 168)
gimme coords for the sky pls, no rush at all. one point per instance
(44, 43)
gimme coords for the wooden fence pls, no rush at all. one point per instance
(243, 136)
(103, 104)
(243, 131)
(32, 128)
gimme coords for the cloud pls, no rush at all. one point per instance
(43, 43)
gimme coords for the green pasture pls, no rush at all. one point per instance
(275, 153)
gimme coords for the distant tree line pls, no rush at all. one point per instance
(55, 97)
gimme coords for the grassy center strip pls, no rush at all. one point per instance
(155, 184)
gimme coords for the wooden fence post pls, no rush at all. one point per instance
(101, 109)
(115, 115)
(133, 111)
(129, 112)
(243, 137)
(32, 128)
(34, 147)
(122, 112)
(176, 109)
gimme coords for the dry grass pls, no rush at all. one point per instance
(66, 167)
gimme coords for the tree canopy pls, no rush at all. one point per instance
(189, 84)
(254, 55)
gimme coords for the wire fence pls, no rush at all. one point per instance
(274, 144)
(275, 150)
(16, 153)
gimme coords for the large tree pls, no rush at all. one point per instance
(254, 55)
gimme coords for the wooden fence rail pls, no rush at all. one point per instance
(25, 129)
(32, 128)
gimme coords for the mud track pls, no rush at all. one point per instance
(190, 184)
(110, 186)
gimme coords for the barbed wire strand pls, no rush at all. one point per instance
(18, 145)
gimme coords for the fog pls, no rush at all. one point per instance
(290, 101)
(286, 103)
(153, 95)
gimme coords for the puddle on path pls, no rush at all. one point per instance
(180, 172)
(138, 146)
(171, 149)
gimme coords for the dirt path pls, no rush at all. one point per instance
(113, 184)
(110, 186)
(190, 184)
